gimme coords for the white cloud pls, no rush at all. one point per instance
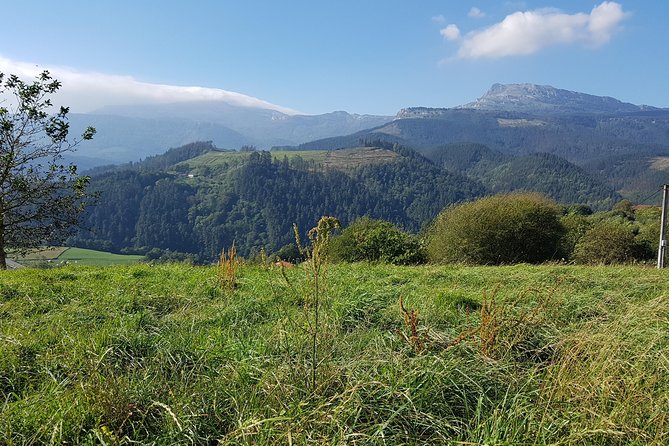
(524, 33)
(451, 32)
(87, 91)
(439, 19)
(476, 13)
(604, 21)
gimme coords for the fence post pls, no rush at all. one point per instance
(661, 250)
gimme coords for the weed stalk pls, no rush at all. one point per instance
(227, 268)
(316, 257)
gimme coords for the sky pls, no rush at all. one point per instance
(314, 56)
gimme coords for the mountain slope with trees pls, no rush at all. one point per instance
(545, 173)
(612, 140)
(198, 198)
(253, 199)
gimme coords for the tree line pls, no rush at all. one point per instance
(508, 229)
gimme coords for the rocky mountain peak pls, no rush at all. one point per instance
(532, 98)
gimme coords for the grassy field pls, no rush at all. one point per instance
(65, 255)
(90, 257)
(343, 159)
(217, 158)
(512, 355)
(42, 254)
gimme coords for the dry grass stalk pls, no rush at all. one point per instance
(501, 328)
(413, 338)
(490, 325)
(227, 268)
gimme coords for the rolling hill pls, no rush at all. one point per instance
(607, 138)
(130, 133)
(197, 198)
(548, 174)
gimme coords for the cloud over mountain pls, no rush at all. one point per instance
(86, 91)
(525, 33)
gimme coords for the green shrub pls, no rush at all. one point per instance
(575, 226)
(610, 242)
(372, 240)
(289, 253)
(502, 229)
(648, 220)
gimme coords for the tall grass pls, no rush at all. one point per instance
(154, 355)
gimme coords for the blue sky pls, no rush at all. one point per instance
(317, 56)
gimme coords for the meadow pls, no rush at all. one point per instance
(166, 354)
(64, 255)
(93, 257)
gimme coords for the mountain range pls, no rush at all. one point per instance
(545, 99)
(621, 143)
(130, 133)
(578, 149)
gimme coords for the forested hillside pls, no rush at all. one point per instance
(624, 145)
(196, 199)
(538, 172)
(200, 204)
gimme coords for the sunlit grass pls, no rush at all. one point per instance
(164, 355)
(92, 257)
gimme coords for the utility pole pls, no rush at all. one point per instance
(661, 250)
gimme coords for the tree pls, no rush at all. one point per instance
(367, 239)
(41, 196)
(610, 242)
(502, 229)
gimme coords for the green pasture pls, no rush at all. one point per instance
(91, 257)
(164, 354)
(64, 255)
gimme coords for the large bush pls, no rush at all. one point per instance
(509, 228)
(575, 226)
(610, 242)
(367, 239)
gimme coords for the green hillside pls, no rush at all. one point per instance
(197, 200)
(616, 148)
(343, 159)
(219, 158)
(92, 257)
(66, 255)
(194, 200)
(552, 176)
(545, 173)
(480, 355)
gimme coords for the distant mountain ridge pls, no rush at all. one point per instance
(128, 133)
(536, 100)
(532, 98)
(514, 118)
(612, 140)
